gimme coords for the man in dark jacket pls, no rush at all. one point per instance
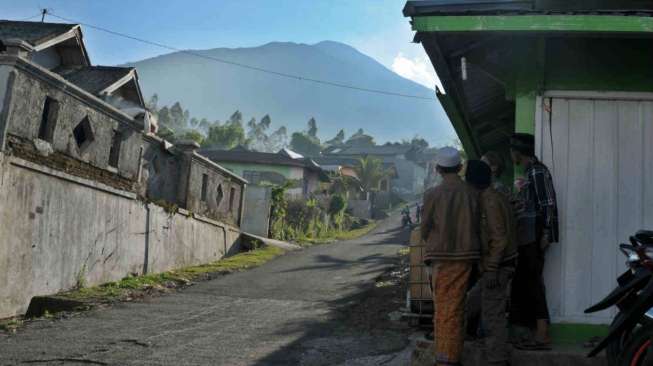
(489, 296)
(537, 228)
(450, 228)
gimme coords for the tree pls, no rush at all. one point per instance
(419, 143)
(256, 134)
(279, 139)
(192, 135)
(204, 125)
(370, 172)
(177, 116)
(338, 140)
(361, 139)
(236, 117)
(304, 144)
(312, 128)
(152, 104)
(228, 135)
(194, 122)
(164, 117)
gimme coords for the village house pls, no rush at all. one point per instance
(79, 168)
(362, 202)
(260, 168)
(577, 75)
(409, 178)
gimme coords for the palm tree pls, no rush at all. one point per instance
(370, 172)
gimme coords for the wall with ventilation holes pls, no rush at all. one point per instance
(58, 230)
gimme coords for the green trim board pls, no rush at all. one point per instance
(534, 23)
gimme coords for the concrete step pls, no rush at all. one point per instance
(474, 355)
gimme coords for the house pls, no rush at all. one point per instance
(379, 197)
(90, 194)
(579, 76)
(260, 168)
(409, 179)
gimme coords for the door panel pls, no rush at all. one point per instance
(602, 163)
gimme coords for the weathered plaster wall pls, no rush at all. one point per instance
(212, 206)
(58, 230)
(180, 240)
(161, 173)
(28, 97)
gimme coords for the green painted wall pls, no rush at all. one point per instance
(599, 64)
(559, 63)
(547, 23)
(239, 168)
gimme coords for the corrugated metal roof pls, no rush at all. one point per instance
(374, 150)
(508, 7)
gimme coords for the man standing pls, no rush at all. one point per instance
(498, 260)
(450, 228)
(537, 227)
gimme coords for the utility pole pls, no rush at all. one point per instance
(43, 13)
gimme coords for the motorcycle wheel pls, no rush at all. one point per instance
(637, 351)
(616, 347)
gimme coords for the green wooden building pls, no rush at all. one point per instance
(579, 76)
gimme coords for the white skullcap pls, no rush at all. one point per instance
(448, 157)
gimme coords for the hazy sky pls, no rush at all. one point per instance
(375, 27)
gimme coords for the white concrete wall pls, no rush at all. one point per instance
(256, 218)
(360, 208)
(56, 228)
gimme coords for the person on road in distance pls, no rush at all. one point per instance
(450, 228)
(537, 228)
(489, 296)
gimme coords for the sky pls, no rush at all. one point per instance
(375, 27)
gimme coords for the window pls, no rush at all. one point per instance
(232, 197)
(48, 119)
(83, 134)
(205, 183)
(253, 177)
(219, 195)
(114, 152)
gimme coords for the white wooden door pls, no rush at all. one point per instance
(600, 152)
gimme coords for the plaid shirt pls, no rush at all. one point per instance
(537, 203)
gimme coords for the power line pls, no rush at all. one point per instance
(245, 66)
(29, 18)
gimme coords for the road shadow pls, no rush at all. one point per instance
(356, 325)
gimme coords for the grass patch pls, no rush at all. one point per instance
(10, 325)
(128, 285)
(574, 334)
(342, 235)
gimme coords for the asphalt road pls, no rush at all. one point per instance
(304, 308)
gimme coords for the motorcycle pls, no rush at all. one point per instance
(629, 341)
(406, 220)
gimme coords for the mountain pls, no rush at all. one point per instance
(215, 90)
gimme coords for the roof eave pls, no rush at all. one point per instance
(534, 23)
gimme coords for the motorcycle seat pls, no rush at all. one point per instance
(644, 236)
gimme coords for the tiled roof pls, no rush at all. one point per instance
(33, 33)
(252, 157)
(93, 79)
(374, 150)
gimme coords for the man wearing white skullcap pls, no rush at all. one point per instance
(450, 228)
